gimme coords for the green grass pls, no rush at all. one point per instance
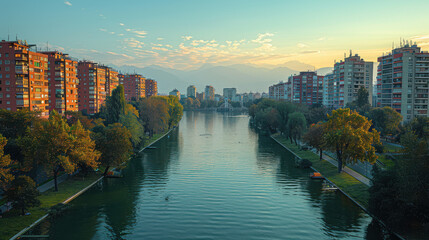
(350, 185)
(12, 222)
(389, 148)
(387, 162)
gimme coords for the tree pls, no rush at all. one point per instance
(420, 126)
(362, 97)
(131, 122)
(5, 165)
(347, 134)
(386, 120)
(175, 111)
(115, 105)
(296, 126)
(83, 150)
(284, 109)
(55, 146)
(114, 144)
(23, 193)
(154, 114)
(315, 137)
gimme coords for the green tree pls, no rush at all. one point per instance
(115, 105)
(114, 144)
(347, 134)
(315, 137)
(131, 122)
(82, 150)
(362, 97)
(55, 146)
(23, 193)
(6, 165)
(296, 126)
(153, 114)
(386, 120)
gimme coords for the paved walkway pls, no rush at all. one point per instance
(346, 169)
(42, 188)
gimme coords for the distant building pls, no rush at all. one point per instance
(191, 91)
(306, 88)
(201, 96)
(175, 92)
(112, 80)
(349, 76)
(264, 95)
(330, 90)
(63, 81)
(151, 87)
(238, 98)
(402, 81)
(209, 93)
(23, 78)
(218, 97)
(229, 93)
(280, 91)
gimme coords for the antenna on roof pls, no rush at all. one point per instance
(16, 37)
(47, 46)
(350, 52)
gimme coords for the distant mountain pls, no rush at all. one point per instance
(324, 71)
(244, 77)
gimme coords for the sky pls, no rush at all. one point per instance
(186, 34)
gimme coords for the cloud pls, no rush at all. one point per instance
(321, 39)
(187, 38)
(103, 30)
(302, 45)
(160, 48)
(159, 39)
(310, 51)
(262, 38)
(67, 3)
(121, 24)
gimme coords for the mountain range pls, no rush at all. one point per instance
(244, 77)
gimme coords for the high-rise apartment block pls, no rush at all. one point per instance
(151, 87)
(175, 93)
(280, 91)
(209, 93)
(229, 93)
(329, 90)
(92, 86)
(402, 81)
(112, 80)
(306, 88)
(191, 91)
(23, 78)
(349, 76)
(134, 87)
(63, 82)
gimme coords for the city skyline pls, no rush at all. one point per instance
(188, 34)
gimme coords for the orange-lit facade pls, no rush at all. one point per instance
(112, 80)
(23, 78)
(91, 87)
(63, 81)
(134, 87)
(151, 87)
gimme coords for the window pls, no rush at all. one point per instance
(6, 54)
(7, 75)
(6, 61)
(7, 82)
(7, 69)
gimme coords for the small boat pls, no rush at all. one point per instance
(114, 173)
(316, 175)
(328, 186)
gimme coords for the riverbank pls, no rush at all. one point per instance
(357, 190)
(12, 223)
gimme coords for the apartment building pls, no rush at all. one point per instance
(209, 93)
(191, 91)
(134, 87)
(229, 93)
(63, 82)
(23, 78)
(92, 86)
(329, 87)
(349, 76)
(280, 91)
(402, 81)
(112, 80)
(306, 88)
(151, 87)
(175, 93)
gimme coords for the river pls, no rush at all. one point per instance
(212, 178)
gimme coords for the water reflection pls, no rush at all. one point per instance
(212, 178)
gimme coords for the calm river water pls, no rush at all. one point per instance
(212, 178)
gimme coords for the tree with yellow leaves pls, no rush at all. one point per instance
(5, 165)
(57, 147)
(347, 134)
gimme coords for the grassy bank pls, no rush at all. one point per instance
(354, 188)
(12, 222)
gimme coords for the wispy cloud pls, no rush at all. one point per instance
(302, 45)
(187, 38)
(262, 38)
(121, 24)
(159, 39)
(67, 3)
